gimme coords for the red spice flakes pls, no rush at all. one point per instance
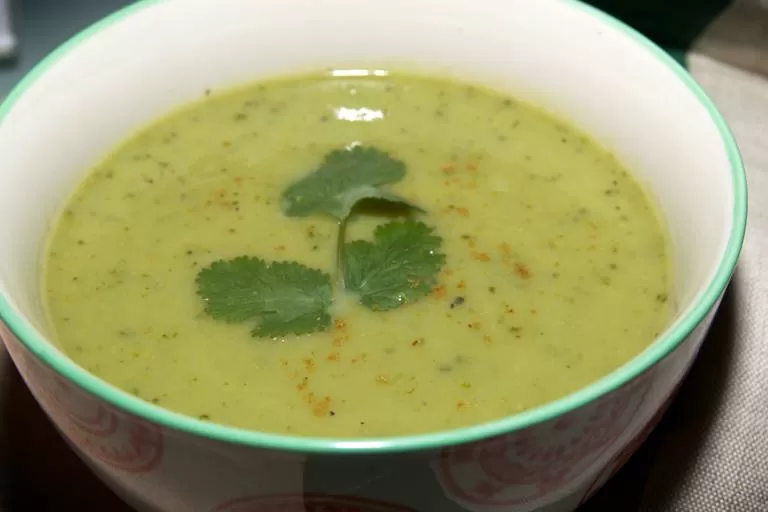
(522, 270)
(309, 364)
(461, 284)
(322, 407)
(481, 256)
(505, 248)
(333, 356)
(303, 385)
(474, 325)
(461, 404)
(463, 212)
(448, 272)
(238, 179)
(448, 168)
(339, 341)
(279, 248)
(340, 325)
(472, 167)
(508, 309)
(487, 340)
(439, 292)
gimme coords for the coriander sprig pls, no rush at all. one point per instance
(285, 297)
(398, 267)
(345, 178)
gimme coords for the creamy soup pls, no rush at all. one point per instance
(555, 269)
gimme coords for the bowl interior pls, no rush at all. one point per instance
(575, 62)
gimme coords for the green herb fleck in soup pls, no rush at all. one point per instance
(355, 257)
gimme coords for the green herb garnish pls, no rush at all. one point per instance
(284, 297)
(398, 267)
(345, 177)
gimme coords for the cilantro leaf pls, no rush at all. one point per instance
(399, 266)
(284, 297)
(345, 177)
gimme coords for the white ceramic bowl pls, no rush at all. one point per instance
(106, 82)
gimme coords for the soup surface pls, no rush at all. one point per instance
(556, 266)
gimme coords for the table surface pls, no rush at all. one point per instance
(710, 452)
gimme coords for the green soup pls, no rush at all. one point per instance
(556, 265)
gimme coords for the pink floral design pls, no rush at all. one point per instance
(308, 503)
(626, 453)
(527, 466)
(122, 442)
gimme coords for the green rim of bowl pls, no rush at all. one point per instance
(36, 343)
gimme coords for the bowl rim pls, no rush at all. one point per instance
(36, 343)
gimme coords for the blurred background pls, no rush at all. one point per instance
(29, 29)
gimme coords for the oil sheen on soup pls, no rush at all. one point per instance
(556, 265)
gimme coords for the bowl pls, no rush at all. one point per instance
(581, 64)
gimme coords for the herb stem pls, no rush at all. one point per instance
(340, 256)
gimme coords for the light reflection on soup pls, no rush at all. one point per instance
(557, 268)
